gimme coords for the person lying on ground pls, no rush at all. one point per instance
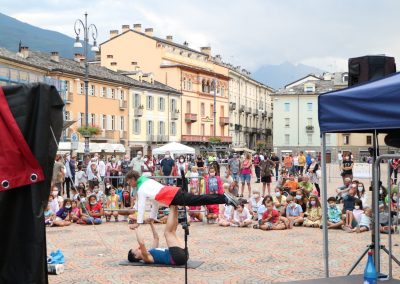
(158, 193)
(174, 254)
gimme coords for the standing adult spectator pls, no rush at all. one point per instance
(308, 159)
(347, 168)
(256, 163)
(200, 165)
(302, 163)
(275, 159)
(58, 173)
(394, 165)
(245, 174)
(147, 166)
(114, 171)
(181, 165)
(69, 181)
(136, 163)
(313, 171)
(102, 168)
(288, 162)
(266, 168)
(234, 167)
(340, 159)
(295, 168)
(93, 175)
(167, 165)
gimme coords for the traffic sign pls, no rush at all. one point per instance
(74, 141)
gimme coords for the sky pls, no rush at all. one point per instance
(249, 33)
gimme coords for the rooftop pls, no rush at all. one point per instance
(44, 61)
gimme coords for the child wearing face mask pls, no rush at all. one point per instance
(64, 214)
(48, 215)
(94, 211)
(353, 217)
(194, 178)
(314, 213)
(334, 215)
(75, 215)
(213, 186)
(255, 202)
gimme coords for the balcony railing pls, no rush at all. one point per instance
(309, 129)
(246, 129)
(138, 112)
(253, 129)
(69, 97)
(248, 110)
(238, 127)
(190, 117)
(201, 138)
(123, 104)
(175, 115)
(157, 138)
(223, 121)
(242, 108)
(232, 106)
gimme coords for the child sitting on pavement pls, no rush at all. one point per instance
(48, 215)
(226, 216)
(353, 217)
(365, 221)
(271, 219)
(195, 216)
(113, 205)
(75, 212)
(334, 215)
(241, 216)
(213, 186)
(294, 212)
(314, 213)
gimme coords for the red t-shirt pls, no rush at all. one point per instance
(94, 208)
(275, 216)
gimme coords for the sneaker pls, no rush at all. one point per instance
(231, 200)
(234, 225)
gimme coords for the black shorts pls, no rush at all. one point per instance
(178, 255)
(266, 179)
(363, 226)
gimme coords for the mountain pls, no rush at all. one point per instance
(13, 31)
(277, 76)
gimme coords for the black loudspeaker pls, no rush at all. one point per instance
(366, 68)
(393, 140)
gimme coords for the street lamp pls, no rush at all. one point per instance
(86, 29)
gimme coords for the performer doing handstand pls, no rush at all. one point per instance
(158, 193)
(173, 255)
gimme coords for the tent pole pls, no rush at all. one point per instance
(324, 203)
(375, 206)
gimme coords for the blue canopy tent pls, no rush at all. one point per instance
(372, 107)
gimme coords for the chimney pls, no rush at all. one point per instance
(137, 28)
(149, 32)
(169, 38)
(78, 57)
(25, 51)
(55, 57)
(113, 33)
(125, 28)
(206, 50)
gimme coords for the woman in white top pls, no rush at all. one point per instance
(147, 167)
(241, 217)
(255, 202)
(226, 216)
(181, 165)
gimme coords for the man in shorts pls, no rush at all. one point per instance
(174, 254)
(266, 167)
(234, 167)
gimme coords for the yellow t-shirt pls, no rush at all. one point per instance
(113, 202)
(302, 161)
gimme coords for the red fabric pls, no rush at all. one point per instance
(274, 217)
(213, 209)
(18, 166)
(220, 186)
(166, 194)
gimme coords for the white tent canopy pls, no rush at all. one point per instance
(174, 148)
(93, 147)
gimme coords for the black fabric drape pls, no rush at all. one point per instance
(36, 108)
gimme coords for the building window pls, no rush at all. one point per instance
(203, 130)
(202, 110)
(103, 92)
(369, 139)
(328, 139)
(82, 119)
(309, 106)
(346, 139)
(113, 122)
(188, 128)
(173, 105)
(104, 122)
(149, 127)
(92, 90)
(161, 128)
(122, 123)
(136, 100)
(122, 95)
(184, 83)
(149, 102)
(211, 110)
(287, 107)
(309, 121)
(211, 130)
(136, 126)
(287, 122)
(81, 88)
(173, 128)
(161, 104)
(188, 107)
(113, 93)
(92, 119)
(309, 139)
(287, 139)
(67, 116)
(189, 84)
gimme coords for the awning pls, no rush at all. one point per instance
(93, 147)
(243, 150)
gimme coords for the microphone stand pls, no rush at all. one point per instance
(185, 224)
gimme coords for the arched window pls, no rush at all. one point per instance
(212, 87)
(190, 84)
(207, 86)
(184, 83)
(203, 86)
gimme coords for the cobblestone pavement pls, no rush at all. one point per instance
(231, 255)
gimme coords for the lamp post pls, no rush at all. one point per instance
(86, 29)
(215, 108)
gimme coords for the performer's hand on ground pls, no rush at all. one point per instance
(134, 226)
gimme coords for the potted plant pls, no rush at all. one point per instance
(89, 131)
(214, 139)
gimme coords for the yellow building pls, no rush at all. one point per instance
(109, 93)
(191, 72)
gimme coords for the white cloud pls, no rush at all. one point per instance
(247, 33)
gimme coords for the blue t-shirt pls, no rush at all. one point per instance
(213, 185)
(161, 255)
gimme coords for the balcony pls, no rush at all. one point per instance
(190, 117)
(138, 112)
(248, 110)
(157, 138)
(246, 129)
(175, 114)
(242, 108)
(223, 121)
(270, 115)
(255, 112)
(310, 129)
(263, 114)
(110, 134)
(232, 106)
(123, 135)
(201, 138)
(253, 129)
(69, 97)
(267, 131)
(238, 127)
(123, 104)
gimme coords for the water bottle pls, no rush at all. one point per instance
(370, 274)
